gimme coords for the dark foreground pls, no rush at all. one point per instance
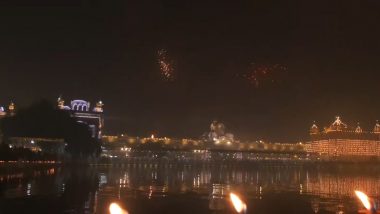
(186, 188)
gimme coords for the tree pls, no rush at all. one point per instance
(42, 119)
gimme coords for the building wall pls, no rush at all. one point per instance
(94, 121)
(81, 111)
(344, 148)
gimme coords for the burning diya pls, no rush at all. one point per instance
(115, 208)
(369, 205)
(238, 204)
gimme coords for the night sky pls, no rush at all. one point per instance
(320, 59)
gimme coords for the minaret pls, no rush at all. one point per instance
(99, 106)
(314, 130)
(99, 109)
(60, 103)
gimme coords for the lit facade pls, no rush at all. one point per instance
(49, 145)
(82, 112)
(340, 141)
(10, 111)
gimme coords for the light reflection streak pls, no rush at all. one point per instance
(152, 181)
(29, 189)
(256, 182)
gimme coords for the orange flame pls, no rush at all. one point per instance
(238, 204)
(116, 209)
(364, 199)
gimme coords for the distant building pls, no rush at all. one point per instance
(10, 111)
(82, 112)
(218, 135)
(48, 145)
(341, 141)
(79, 109)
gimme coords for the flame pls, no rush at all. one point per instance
(364, 199)
(116, 209)
(238, 204)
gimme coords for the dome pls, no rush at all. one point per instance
(66, 108)
(213, 125)
(220, 129)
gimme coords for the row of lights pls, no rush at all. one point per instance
(237, 203)
(241, 207)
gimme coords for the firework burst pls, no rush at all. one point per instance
(258, 74)
(165, 64)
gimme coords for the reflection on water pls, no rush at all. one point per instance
(167, 188)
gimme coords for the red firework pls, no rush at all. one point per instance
(260, 73)
(165, 64)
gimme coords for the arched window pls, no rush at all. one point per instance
(80, 105)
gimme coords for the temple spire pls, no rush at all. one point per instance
(314, 129)
(337, 125)
(376, 129)
(60, 102)
(358, 129)
(99, 106)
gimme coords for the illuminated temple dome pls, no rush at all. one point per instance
(217, 128)
(218, 135)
